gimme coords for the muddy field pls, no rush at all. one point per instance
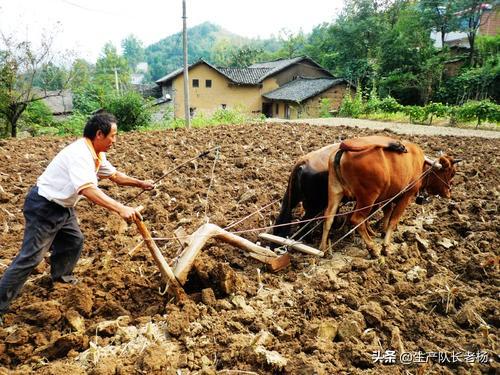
(434, 299)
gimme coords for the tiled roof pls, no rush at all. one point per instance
(252, 75)
(301, 89)
(278, 65)
(59, 102)
(173, 74)
(244, 76)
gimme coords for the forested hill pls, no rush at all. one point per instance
(207, 41)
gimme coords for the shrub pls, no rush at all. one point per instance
(351, 107)
(436, 109)
(390, 105)
(72, 125)
(131, 110)
(88, 99)
(236, 115)
(228, 116)
(416, 113)
(325, 105)
(480, 111)
(36, 117)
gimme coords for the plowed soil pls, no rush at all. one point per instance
(436, 294)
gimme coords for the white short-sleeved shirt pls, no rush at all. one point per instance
(74, 168)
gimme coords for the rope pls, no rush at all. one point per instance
(217, 153)
(204, 153)
(409, 186)
(253, 213)
(439, 177)
(381, 203)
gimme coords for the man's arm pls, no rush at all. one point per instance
(96, 195)
(124, 180)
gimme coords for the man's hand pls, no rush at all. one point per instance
(129, 214)
(147, 185)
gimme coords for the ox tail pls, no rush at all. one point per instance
(336, 165)
(290, 200)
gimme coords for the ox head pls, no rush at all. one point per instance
(439, 179)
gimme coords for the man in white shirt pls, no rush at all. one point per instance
(49, 206)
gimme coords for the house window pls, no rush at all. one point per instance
(223, 106)
(277, 108)
(287, 111)
(196, 83)
(208, 83)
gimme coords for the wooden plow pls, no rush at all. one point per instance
(297, 245)
(177, 277)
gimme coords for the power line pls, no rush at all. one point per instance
(89, 9)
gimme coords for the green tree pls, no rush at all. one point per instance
(472, 16)
(407, 66)
(292, 44)
(130, 109)
(81, 72)
(348, 47)
(440, 15)
(133, 51)
(51, 77)
(245, 56)
(20, 62)
(111, 69)
(221, 52)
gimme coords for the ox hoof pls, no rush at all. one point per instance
(375, 250)
(324, 247)
(386, 249)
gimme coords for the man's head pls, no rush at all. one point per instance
(102, 121)
(101, 129)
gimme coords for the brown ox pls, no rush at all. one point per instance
(371, 172)
(308, 183)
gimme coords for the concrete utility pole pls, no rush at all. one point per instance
(187, 114)
(117, 87)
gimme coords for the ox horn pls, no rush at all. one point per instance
(433, 163)
(455, 161)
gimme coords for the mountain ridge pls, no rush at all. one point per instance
(207, 40)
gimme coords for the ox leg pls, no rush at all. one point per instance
(396, 214)
(388, 209)
(357, 218)
(370, 230)
(335, 195)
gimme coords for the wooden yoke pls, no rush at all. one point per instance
(165, 270)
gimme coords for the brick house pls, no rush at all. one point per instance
(285, 88)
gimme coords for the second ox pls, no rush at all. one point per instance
(308, 183)
(372, 171)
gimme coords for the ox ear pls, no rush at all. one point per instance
(446, 161)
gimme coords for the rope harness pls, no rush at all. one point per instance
(319, 218)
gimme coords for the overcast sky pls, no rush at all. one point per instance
(85, 25)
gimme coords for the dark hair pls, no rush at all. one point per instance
(101, 120)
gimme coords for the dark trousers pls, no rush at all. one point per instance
(48, 226)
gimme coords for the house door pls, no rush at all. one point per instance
(287, 111)
(267, 109)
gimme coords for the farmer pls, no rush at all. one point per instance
(49, 208)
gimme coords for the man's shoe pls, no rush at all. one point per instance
(66, 279)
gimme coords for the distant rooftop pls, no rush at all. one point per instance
(301, 89)
(252, 75)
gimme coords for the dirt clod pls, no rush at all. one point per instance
(318, 316)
